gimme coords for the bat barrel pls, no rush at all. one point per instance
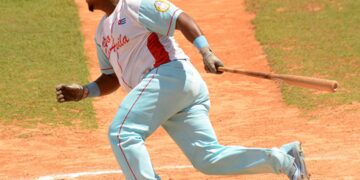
(307, 82)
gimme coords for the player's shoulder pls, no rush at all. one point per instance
(133, 4)
(146, 4)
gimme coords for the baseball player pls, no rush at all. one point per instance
(137, 51)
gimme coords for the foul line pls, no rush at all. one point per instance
(94, 173)
(104, 172)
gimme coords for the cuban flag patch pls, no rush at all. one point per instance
(122, 21)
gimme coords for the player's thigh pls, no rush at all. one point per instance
(138, 112)
(160, 95)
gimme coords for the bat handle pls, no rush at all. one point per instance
(308, 82)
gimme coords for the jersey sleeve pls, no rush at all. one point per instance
(104, 63)
(158, 16)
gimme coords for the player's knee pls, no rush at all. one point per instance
(203, 159)
(123, 136)
(205, 166)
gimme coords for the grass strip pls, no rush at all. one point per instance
(41, 46)
(318, 38)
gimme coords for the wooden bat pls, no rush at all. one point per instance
(302, 81)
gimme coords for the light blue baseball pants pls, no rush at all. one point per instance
(175, 96)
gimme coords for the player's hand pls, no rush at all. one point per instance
(211, 62)
(72, 92)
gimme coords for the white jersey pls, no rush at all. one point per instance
(137, 37)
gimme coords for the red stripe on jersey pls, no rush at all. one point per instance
(157, 50)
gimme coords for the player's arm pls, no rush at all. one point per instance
(193, 33)
(160, 17)
(107, 83)
(104, 85)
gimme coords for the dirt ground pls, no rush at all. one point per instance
(245, 111)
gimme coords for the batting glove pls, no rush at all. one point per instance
(73, 92)
(211, 62)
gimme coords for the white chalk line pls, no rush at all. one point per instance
(104, 172)
(325, 158)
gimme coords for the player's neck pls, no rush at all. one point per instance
(109, 9)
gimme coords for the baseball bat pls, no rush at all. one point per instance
(302, 81)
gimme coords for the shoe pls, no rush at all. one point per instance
(294, 173)
(294, 149)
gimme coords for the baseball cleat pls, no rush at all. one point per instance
(294, 149)
(296, 175)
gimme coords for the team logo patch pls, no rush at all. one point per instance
(162, 5)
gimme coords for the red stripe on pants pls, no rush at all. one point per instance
(122, 151)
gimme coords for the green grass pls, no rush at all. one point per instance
(318, 38)
(41, 46)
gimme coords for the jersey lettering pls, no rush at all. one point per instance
(122, 40)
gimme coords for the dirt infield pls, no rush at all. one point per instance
(245, 111)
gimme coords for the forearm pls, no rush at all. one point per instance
(104, 85)
(193, 33)
(188, 27)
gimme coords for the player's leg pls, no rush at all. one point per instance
(159, 96)
(193, 132)
(295, 150)
(127, 133)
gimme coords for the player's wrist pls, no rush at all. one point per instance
(85, 92)
(91, 90)
(205, 51)
(200, 42)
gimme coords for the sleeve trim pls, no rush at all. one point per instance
(102, 51)
(107, 72)
(107, 69)
(172, 19)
